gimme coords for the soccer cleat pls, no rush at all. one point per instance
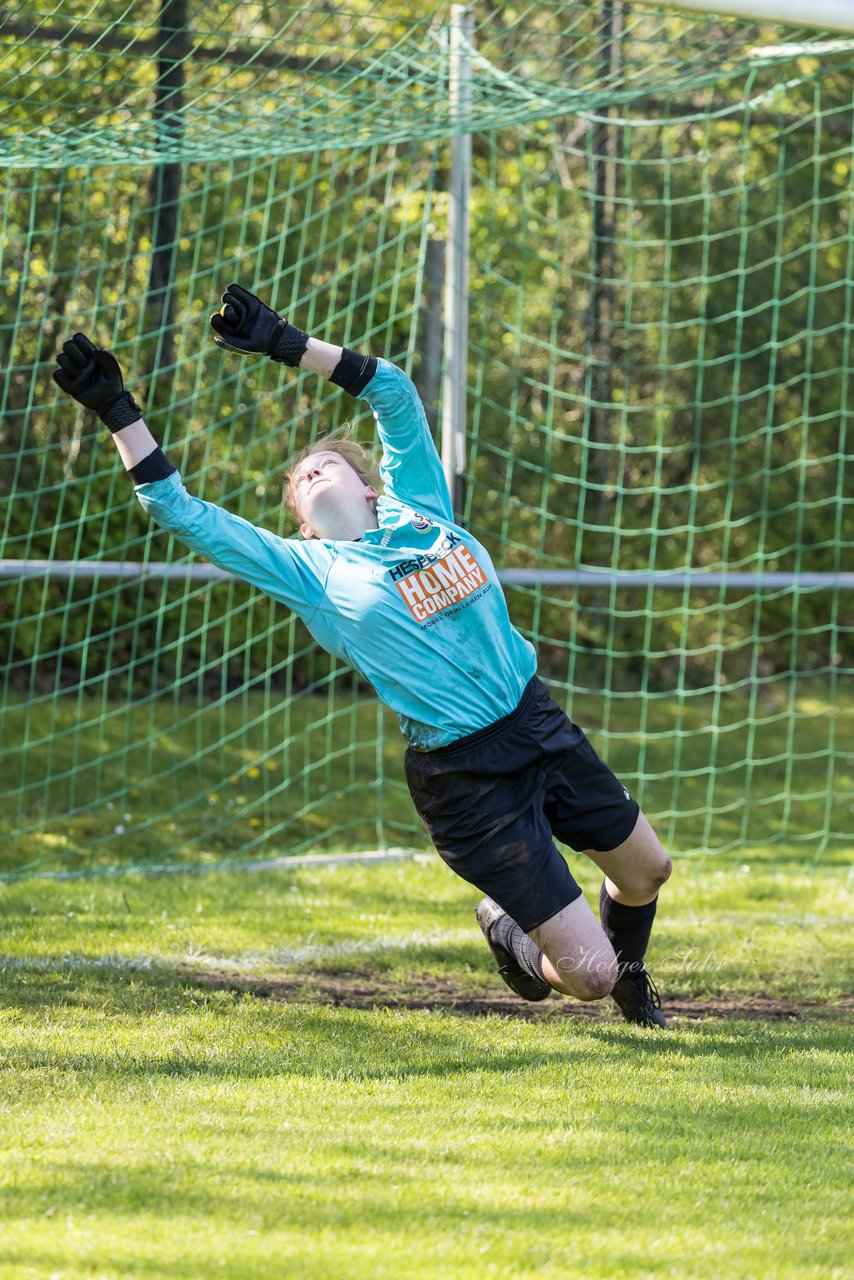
(518, 979)
(637, 997)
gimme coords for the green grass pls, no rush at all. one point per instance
(157, 1125)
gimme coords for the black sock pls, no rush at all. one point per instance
(627, 929)
(512, 936)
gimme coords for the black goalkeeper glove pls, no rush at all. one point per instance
(248, 326)
(93, 377)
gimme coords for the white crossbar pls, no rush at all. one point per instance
(673, 579)
(825, 15)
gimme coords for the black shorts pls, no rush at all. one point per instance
(493, 801)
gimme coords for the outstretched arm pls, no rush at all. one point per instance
(93, 378)
(248, 326)
(411, 469)
(293, 573)
(321, 357)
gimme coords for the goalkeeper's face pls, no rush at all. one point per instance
(332, 500)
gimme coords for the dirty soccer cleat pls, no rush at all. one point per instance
(489, 914)
(637, 997)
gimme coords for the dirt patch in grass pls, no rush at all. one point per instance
(356, 991)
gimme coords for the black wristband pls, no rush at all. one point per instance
(120, 412)
(353, 372)
(288, 344)
(155, 467)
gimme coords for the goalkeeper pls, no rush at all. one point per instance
(395, 587)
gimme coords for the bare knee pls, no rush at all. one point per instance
(657, 872)
(592, 981)
(645, 889)
(578, 958)
(594, 986)
(637, 868)
(661, 873)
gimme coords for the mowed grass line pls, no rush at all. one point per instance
(719, 930)
(154, 1127)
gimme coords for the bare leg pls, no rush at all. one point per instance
(578, 959)
(634, 873)
(637, 868)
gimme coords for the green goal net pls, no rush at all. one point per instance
(657, 387)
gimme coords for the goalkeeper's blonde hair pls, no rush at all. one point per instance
(360, 459)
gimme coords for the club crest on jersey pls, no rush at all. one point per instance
(421, 523)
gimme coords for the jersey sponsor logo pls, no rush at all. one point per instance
(404, 567)
(445, 583)
(421, 523)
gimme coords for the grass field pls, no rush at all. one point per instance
(317, 1072)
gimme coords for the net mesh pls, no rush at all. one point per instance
(660, 302)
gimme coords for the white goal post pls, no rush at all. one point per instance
(823, 15)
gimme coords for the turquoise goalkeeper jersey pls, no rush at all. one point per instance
(414, 606)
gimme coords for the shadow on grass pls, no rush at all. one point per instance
(343, 1178)
(297, 1207)
(346, 989)
(450, 979)
(337, 1026)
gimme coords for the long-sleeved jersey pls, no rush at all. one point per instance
(414, 606)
